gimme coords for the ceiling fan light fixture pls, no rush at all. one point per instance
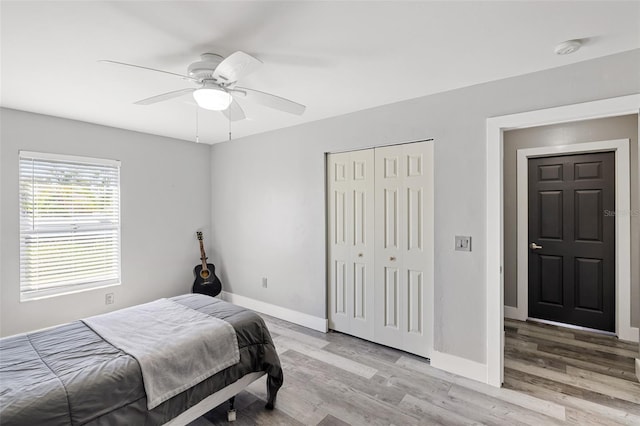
(212, 99)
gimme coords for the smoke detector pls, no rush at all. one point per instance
(567, 47)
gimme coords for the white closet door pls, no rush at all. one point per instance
(351, 242)
(404, 247)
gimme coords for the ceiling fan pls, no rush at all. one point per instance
(216, 78)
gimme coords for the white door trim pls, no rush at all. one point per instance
(494, 197)
(623, 226)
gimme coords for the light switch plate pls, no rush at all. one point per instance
(463, 243)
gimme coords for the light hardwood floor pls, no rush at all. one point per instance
(552, 376)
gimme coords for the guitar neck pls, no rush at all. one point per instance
(203, 257)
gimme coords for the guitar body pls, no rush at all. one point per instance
(206, 282)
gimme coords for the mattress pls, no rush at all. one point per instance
(69, 375)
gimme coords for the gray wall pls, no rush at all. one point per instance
(623, 127)
(164, 199)
(268, 191)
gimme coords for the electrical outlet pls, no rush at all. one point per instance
(463, 243)
(264, 282)
(109, 299)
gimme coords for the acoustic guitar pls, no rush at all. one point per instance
(206, 281)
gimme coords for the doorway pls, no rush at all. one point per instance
(495, 221)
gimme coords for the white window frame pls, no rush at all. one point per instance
(67, 287)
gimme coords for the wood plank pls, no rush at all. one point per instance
(602, 414)
(619, 384)
(579, 417)
(259, 416)
(377, 387)
(578, 343)
(348, 400)
(567, 349)
(363, 347)
(544, 359)
(330, 420)
(290, 334)
(607, 341)
(581, 382)
(327, 357)
(536, 358)
(308, 411)
(431, 413)
(511, 413)
(525, 401)
(514, 378)
(611, 360)
(443, 400)
(540, 328)
(587, 336)
(385, 365)
(517, 342)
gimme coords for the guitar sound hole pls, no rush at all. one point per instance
(204, 274)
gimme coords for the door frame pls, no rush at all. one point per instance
(494, 277)
(622, 227)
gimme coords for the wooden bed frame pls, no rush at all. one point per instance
(214, 400)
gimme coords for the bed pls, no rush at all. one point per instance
(70, 375)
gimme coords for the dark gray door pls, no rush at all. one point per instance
(572, 239)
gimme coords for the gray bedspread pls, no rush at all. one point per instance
(177, 347)
(69, 375)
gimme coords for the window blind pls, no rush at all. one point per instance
(69, 224)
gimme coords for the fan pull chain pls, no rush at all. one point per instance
(230, 100)
(197, 126)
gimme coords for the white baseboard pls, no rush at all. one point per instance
(514, 313)
(300, 318)
(460, 366)
(630, 334)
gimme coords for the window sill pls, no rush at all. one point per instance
(47, 294)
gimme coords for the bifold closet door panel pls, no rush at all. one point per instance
(404, 246)
(351, 242)
(380, 250)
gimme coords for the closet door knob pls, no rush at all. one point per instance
(392, 258)
(359, 254)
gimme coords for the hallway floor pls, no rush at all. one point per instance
(591, 375)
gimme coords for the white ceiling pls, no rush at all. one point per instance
(334, 57)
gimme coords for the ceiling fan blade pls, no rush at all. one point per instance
(235, 66)
(234, 112)
(164, 97)
(184, 77)
(269, 100)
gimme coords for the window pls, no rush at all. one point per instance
(69, 224)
